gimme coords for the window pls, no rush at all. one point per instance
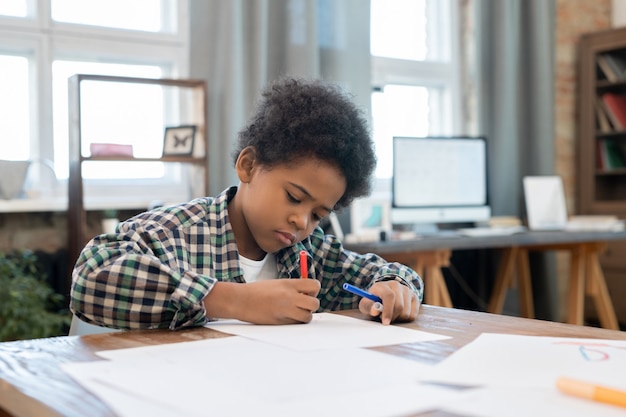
(143, 15)
(43, 42)
(14, 85)
(16, 8)
(415, 71)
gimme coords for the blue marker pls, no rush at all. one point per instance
(362, 293)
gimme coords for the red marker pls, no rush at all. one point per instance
(303, 264)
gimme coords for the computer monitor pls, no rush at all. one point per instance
(439, 180)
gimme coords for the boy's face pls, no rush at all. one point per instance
(282, 205)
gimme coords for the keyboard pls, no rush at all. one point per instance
(490, 231)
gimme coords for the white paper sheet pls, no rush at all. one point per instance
(238, 376)
(327, 331)
(527, 401)
(534, 361)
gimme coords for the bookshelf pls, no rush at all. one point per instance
(601, 135)
(189, 99)
(602, 124)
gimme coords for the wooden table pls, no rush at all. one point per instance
(32, 384)
(428, 255)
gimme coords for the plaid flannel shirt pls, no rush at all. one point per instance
(160, 265)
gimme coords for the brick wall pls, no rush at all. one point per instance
(574, 18)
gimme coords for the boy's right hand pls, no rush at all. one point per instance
(276, 301)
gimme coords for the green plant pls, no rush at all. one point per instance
(29, 307)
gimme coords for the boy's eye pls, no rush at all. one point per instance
(291, 198)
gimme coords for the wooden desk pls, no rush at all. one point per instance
(32, 384)
(429, 254)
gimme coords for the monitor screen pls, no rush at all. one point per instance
(439, 180)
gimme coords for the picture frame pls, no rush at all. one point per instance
(544, 196)
(179, 140)
(369, 216)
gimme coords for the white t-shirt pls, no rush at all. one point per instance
(259, 270)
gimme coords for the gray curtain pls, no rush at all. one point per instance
(238, 46)
(515, 61)
(516, 94)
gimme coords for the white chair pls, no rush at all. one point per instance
(79, 328)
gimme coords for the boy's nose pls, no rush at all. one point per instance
(300, 219)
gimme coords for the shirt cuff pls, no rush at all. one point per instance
(188, 300)
(401, 281)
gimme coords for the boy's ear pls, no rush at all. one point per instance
(246, 162)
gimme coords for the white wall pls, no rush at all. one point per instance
(618, 13)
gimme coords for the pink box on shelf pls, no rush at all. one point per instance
(110, 149)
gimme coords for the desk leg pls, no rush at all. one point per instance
(503, 279)
(586, 278)
(527, 307)
(597, 289)
(428, 265)
(439, 295)
(431, 286)
(576, 291)
(435, 291)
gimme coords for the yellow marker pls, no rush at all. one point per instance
(591, 391)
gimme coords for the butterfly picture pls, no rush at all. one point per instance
(179, 140)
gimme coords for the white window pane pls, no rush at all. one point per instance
(415, 30)
(121, 113)
(17, 8)
(398, 110)
(398, 29)
(111, 113)
(14, 101)
(144, 15)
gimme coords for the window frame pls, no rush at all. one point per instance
(42, 41)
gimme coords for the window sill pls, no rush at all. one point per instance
(35, 205)
(31, 205)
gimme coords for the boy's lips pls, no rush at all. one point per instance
(286, 237)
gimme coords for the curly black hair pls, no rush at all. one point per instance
(298, 118)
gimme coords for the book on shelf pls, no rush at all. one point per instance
(600, 155)
(615, 106)
(612, 154)
(618, 63)
(612, 65)
(603, 122)
(606, 68)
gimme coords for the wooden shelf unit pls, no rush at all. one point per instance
(76, 214)
(601, 189)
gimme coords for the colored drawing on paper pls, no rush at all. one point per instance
(593, 352)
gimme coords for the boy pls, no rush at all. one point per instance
(305, 153)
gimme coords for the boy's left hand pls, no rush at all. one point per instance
(400, 303)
